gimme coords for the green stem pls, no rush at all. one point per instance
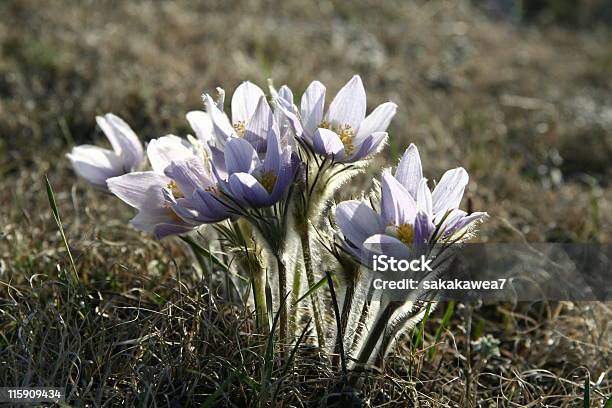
(259, 293)
(314, 298)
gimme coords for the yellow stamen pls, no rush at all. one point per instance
(346, 134)
(405, 233)
(268, 180)
(240, 127)
(176, 191)
(212, 189)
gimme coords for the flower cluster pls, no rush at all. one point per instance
(411, 216)
(265, 175)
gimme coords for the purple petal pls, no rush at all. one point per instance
(463, 222)
(312, 106)
(240, 156)
(423, 228)
(202, 125)
(246, 188)
(285, 177)
(397, 205)
(409, 171)
(210, 206)
(142, 190)
(189, 174)
(370, 145)
(244, 101)
(349, 105)
(164, 230)
(218, 162)
(377, 121)
(163, 151)
(95, 165)
(358, 221)
(449, 190)
(327, 142)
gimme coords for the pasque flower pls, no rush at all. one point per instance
(176, 196)
(409, 212)
(249, 180)
(248, 108)
(96, 164)
(343, 132)
(441, 205)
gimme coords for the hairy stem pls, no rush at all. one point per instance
(365, 310)
(349, 294)
(282, 289)
(377, 331)
(295, 294)
(314, 298)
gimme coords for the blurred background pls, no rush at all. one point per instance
(519, 92)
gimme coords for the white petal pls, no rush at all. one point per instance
(358, 221)
(244, 101)
(349, 105)
(163, 151)
(449, 190)
(202, 125)
(222, 127)
(409, 171)
(423, 198)
(312, 106)
(377, 121)
(95, 164)
(141, 190)
(123, 139)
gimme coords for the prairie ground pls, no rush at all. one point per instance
(524, 104)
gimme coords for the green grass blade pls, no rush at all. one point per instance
(313, 289)
(58, 221)
(199, 250)
(448, 313)
(419, 337)
(608, 403)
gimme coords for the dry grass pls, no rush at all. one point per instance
(526, 109)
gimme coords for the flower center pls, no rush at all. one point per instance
(240, 127)
(176, 191)
(268, 180)
(405, 233)
(345, 132)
